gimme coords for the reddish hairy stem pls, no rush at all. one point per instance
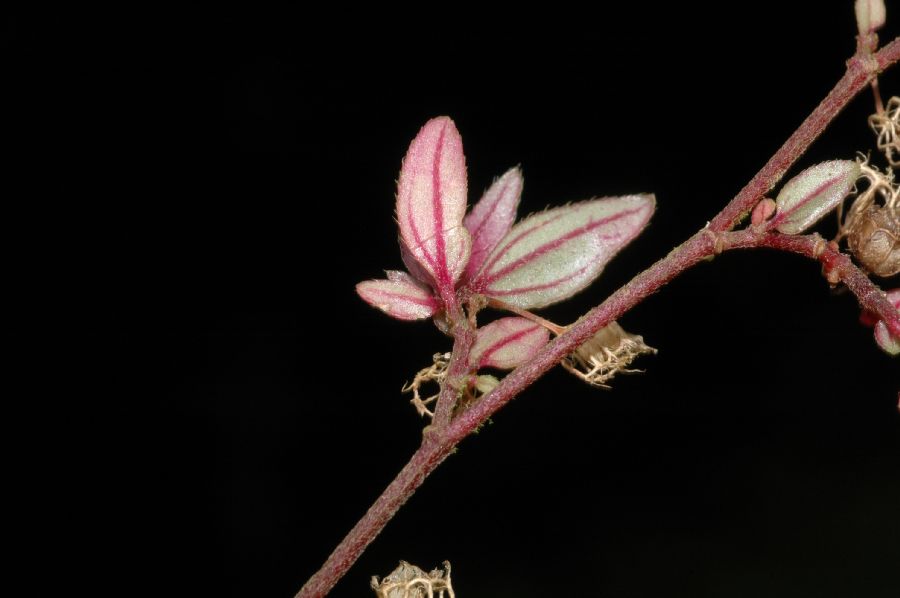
(861, 69)
(422, 463)
(870, 297)
(440, 438)
(457, 370)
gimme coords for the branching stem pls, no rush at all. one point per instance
(446, 432)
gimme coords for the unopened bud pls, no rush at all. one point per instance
(870, 15)
(762, 212)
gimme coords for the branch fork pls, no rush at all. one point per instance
(439, 261)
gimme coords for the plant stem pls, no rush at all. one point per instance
(870, 297)
(442, 438)
(861, 69)
(639, 288)
(428, 456)
(457, 370)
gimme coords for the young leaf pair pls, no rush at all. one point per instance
(451, 256)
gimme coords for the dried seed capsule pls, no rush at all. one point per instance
(874, 240)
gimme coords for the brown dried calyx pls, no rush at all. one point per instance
(872, 224)
(408, 581)
(609, 352)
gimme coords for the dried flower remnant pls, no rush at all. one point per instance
(436, 372)
(886, 125)
(408, 581)
(872, 223)
(609, 352)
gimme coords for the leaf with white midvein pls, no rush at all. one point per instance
(552, 255)
(492, 217)
(400, 296)
(813, 193)
(431, 203)
(507, 343)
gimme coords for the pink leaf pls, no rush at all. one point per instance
(552, 255)
(414, 268)
(400, 296)
(813, 193)
(493, 216)
(507, 343)
(431, 203)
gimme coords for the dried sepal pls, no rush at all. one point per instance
(431, 203)
(507, 343)
(552, 255)
(408, 581)
(609, 352)
(436, 373)
(886, 126)
(400, 296)
(492, 217)
(875, 242)
(810, 195)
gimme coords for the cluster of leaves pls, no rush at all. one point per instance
(457, 260)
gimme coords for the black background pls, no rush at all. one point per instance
(206, 407)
